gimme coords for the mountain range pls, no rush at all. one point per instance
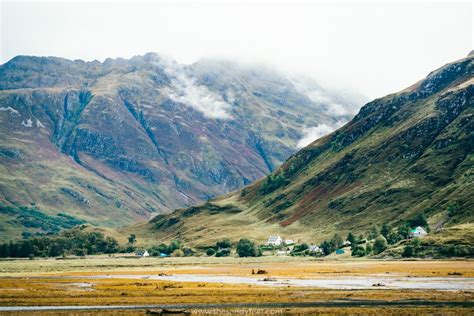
(405, 154)
(115, 142)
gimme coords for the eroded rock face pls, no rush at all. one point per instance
(147, 133)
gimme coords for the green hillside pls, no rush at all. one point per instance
(404, 154)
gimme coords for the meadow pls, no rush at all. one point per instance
(128, 281)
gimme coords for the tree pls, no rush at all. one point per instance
(385, 230)
(369, 248)
(132, 239)
(327, 248)
(419, 220)
(452, 209)
(174, 245)
(210, 252)
(407, 252)
(351, 238)
(224, 243)
(380, 244)
(373, 233)
(300, 248)
(246, 248)
(393, 238)
(404, 231)
(416, 244)
(359, 251)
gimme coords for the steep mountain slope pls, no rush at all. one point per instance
(115, 142)
(401, 155)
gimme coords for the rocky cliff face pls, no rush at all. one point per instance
(119, 141)
(404, 154)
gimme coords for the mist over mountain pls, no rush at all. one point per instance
(116, 142)
(402, 155)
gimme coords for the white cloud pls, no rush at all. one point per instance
(316, 132)
(335, 103)
(372, 47)
(332, 107)
(186, 91)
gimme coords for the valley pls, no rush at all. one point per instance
(106, 281)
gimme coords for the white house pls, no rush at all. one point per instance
(274, 241)
(142, 253)
(315, 249)
(418, 232)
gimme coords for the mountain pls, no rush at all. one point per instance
(407, 153)
(116, 142)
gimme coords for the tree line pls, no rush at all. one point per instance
(75, 241)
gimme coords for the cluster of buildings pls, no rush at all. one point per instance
(277, 241)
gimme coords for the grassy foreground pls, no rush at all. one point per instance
(34, 282)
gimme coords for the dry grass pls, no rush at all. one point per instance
(277, 266)
(25, 282)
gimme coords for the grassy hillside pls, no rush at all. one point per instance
(407, 153)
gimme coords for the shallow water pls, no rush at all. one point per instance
(342, 283)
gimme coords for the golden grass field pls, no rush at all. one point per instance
(71, 282)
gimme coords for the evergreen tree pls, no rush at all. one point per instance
(351, 238)
(373, 233)
(385, 230)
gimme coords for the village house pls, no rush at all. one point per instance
(142, 253)
(418, 232)
(274, 241)
(314, 249)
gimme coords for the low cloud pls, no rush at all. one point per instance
(335, 102)
(331, 106)
(187, 91)
(316, 132)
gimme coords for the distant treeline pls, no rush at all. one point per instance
(76, 241)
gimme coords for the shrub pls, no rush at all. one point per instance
(419, 220)
(300, 248)
(407, 252)
(380, 244)
(224, 243)
(177, 253)
(385, 230)
(174, 245)
(246, 248)
(369, 248)
(132, 239)
(358, 251)
(373, 233)
(210, 252)
(393, 238)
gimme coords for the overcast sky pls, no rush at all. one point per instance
(375, 48)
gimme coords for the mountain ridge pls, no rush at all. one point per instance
(404, 154)
(118, 141)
